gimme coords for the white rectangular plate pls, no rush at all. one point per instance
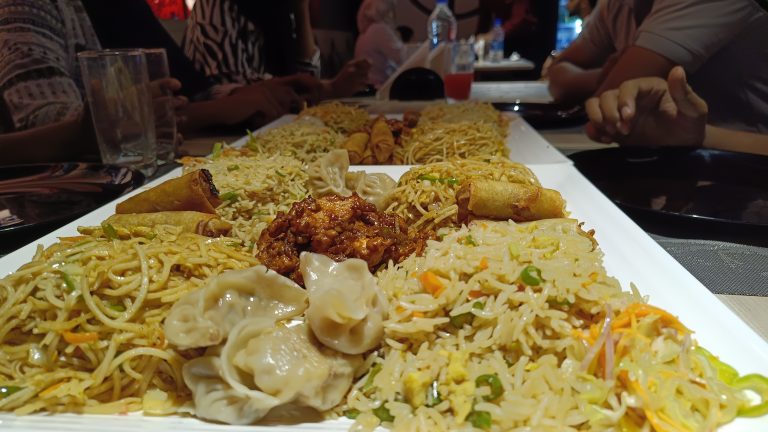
(524, 143)
(630, 255)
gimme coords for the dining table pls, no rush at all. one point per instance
(733, 266)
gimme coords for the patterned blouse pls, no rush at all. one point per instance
(40, 79)
(227, 45)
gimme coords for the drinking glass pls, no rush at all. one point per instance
(458, 80)
(117, 87)
(165, 117)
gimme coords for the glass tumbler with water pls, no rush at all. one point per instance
(117, 86)
(165, 116)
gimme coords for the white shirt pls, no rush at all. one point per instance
(722, 44)
(381, 45)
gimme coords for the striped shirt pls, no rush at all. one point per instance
(225, 42)
(40, 79)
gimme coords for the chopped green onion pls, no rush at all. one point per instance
(117, 307)
(433, 179)
(383, 414)
(279, 173)
(217, 149)
(233, 167)
(460, 320)
(531, 276)
(351, 413)
(450, 181)
(480, 419)
(375, 369)
(109, 231)
(758, 384)
(230, 196)
(469, 241)
(492, 381)
(68, 281)
(514, 250)
(433, 395)
(233, 244)
(6, 391)
(560, 303)
(478, 305)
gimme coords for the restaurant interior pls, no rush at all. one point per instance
(409, 215)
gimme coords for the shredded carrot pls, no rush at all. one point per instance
(475, 294)
(639, 310)
(418, 314)
(399, 309)
(51, 389)
(484, 263)
(80, 338)
(431, 283)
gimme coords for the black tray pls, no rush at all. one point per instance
(694, 185)
(546, 116)
(33, 196)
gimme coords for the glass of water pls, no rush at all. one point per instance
(165, 116)
(117, 86)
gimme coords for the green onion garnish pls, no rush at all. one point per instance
(375, 369)
(480, 419)
(6, 391)
(531, 276)
(492, 381)
(230, 196)
(433, 395)
(70, 284)
(383, 414)
(217, 149)
(117, 307)
(109, 231)
(233, 167)
(351, 413)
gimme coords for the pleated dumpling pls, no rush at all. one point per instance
(204, 317)
(346, 309)
(285, 362)
(374, 188)
(218, 401)
(327, 174)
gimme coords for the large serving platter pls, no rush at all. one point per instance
(525, 145)
(630, 255)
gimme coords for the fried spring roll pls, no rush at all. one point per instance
(486, 199)
(382, 140)
(193, 191)
(355, 146)
(368, 157)
(190, 221)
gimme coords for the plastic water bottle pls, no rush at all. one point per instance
(496, 51)
(441, 26)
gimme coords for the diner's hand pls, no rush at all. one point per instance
(649, 112)
(260, 103)
(352, 79)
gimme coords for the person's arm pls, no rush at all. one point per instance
(65, 140)
(737, 141)
(305, 38)
(634, 62)
(33, 55)
(574, 74)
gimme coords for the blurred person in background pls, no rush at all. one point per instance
(529, 26)
(721, 44)
(379, 41)
(335, 28)
(244, 41)
(653, 112)
(581, 8)
(41, 90)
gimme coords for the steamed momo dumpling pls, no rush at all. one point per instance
(218, 401)
(374, 188)
(204, 317)
(285, 362)
(326, 174)
(346, 309)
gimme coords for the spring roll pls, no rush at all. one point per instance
(382, 140)
(355, 146)
(193, 191)
(368, 157)
(190, 221)
(487, 199)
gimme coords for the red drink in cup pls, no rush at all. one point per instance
(458, 85)
(458, 80)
